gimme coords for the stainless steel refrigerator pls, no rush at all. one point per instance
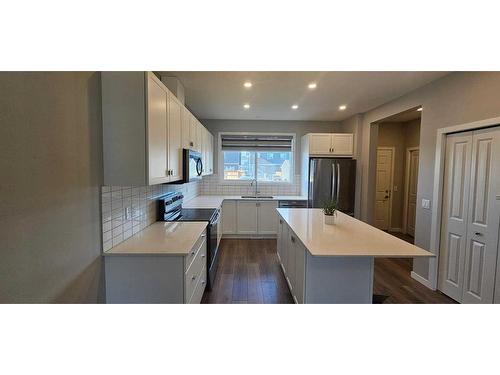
(332, 178)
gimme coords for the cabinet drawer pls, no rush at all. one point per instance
(194, 272)
(192, 254)
(200, 287)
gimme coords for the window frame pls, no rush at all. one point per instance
(220, 160)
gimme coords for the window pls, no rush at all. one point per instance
(244, 156)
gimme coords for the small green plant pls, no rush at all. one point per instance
(330, 207)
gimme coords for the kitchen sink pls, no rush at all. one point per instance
(257, 196)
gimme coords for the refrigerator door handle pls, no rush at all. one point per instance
(337, 182)
(311, 182)
(334, 182)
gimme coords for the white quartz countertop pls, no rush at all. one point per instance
(161, 238)
(347, 237)
(215, 201)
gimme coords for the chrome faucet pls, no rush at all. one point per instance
(251, 184)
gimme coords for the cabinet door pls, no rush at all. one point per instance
(157, 132)
(192, 132)
(290, 269)
(204, 150)
(320, 144)
(246, 217)
(284, 247)
(199, 136)
(300, 271)
(342, 144)
(278, 239)
(186, 128)
(229, 217)
(267, 217)
(174, 138)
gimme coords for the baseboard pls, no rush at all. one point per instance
(397, 230)
(422, 280)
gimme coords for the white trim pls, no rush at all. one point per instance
(437, 191)
(422, 280)
(407, 186)
(220, 162)
(393, 150)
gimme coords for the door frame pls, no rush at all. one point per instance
(437, 193)
(407, 185)
(393, 150)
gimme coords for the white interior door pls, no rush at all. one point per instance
(411, 211)
(454, 214)
(483, 218)
(383, 187)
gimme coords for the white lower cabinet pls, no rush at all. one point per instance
(133, 278)
(229, 217)
(267, 217)
(246, 222)
(292, 256)
(249, 217)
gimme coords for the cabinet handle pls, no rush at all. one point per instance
(292, 239)
(203, 255)
(203, 282)
(193, 278)
(478, 234)
(193, 252)
(203, 235)
(281, 221)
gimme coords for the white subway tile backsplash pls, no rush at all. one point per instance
(211, 185)
(116, 228)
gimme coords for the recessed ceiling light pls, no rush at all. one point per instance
(312, 85)
(419, 109)
(246, 106)
(247, 84)
(342, 107)
(295, 106)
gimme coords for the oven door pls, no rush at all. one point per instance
(213, 252)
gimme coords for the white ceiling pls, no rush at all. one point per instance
(221, 95)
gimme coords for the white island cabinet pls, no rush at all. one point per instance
(165, 263)
(333, 263)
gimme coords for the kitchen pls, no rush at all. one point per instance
(280, 184)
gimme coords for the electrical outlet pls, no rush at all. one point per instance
(395, 188)
(128, 215)
(426, 203)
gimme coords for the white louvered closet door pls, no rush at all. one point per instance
(483, 218)
(454, 214)
(470, 216)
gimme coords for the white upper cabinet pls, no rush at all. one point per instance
(343, 143)
(331, 144)
(186, 128)
(145, 128)
(157, 132)
(320, 143)
(207, 151)
(174, 138)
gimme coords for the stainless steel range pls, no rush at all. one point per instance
(170, 209)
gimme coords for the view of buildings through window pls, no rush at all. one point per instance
(270, 166)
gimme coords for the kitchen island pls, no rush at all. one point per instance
(333, 263)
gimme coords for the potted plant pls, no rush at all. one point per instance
(330, 211)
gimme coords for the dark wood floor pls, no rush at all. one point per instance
(249, 272)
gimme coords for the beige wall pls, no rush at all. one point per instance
(454, 99)
(399, 135)
(50, 137)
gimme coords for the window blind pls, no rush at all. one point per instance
(237, 142)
